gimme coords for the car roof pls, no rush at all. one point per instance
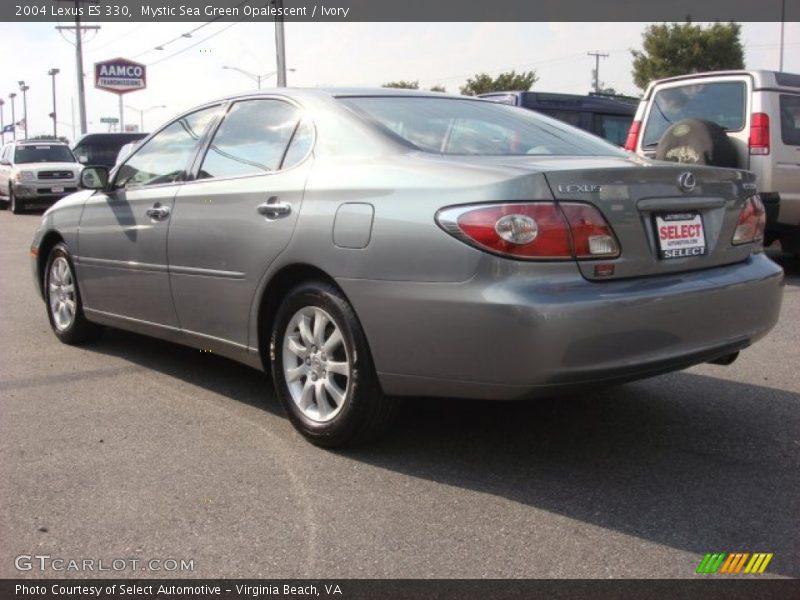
(761, 79)
(39, 143)
(337, 92)
(119, 135)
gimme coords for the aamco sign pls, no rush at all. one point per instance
(120, 76)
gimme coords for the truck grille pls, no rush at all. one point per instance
(56, 174)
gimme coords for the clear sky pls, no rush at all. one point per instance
(360, 54)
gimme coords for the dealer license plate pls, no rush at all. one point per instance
(680, 235)
(57, 189)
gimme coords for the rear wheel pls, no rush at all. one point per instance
(790, 243)
(323, 371)
(16, 206)
(63, 299)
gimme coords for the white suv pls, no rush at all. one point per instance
(34, 174)
(760, 113)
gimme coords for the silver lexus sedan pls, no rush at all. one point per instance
(365, 245)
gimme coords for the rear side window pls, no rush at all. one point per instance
(300, 145)
(790, 119)
(722, 102)
(251, 140)
(614, 128)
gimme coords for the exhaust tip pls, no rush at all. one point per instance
(725, 360)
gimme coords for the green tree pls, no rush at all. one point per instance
(483, 83)
(438, 88)
(681, 48)
(402, 84)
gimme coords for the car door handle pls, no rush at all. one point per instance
(274, 209)
(157, 211)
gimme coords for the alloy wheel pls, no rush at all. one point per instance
(61, 292)
(316, 364)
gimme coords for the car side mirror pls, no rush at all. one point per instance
(94, 178)
(83, 159)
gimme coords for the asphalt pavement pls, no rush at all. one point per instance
(134, 448)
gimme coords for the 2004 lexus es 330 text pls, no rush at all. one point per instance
(371, 244)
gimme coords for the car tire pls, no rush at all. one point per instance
(698, 142)
(14, 204)
(323, 371)
(63, 299)
(790, 243)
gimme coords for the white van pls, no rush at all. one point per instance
(760, 113)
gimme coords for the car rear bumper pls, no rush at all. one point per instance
(508, 337)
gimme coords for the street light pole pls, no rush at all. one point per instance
(12, 95)
(2, 123)
(53, 72)
(142, 111)
(257, 78)
(24, 89)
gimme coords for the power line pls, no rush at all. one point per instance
(187, 34)
(118, 38)
(182, 50)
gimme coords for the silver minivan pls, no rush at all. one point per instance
(760, 113)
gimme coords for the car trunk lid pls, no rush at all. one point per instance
(655, 212)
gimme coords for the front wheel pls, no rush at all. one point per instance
(64, 307)
(16, 206)
(323, 371)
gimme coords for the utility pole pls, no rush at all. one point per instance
(2, 123)
(12, 95)
(79, 29)
(783, 21)
(53, 72)
(280, 44)
(597, 57)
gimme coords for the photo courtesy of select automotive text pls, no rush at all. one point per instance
(380, 299)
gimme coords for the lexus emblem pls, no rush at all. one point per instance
(686, 182)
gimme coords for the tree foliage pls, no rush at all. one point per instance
(681, 48)
(483, 83)
(402, 84)
(438, 88)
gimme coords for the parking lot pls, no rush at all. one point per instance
(133, 447)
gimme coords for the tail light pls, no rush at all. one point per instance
(633, 136)
(752, 221)
(532, 230)
(591, 235)
(759, 133)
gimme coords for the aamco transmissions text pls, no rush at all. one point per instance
(209, 10)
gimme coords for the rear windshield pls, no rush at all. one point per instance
(790, 119)
(721, 102)
(476, 127)
(42, 153)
